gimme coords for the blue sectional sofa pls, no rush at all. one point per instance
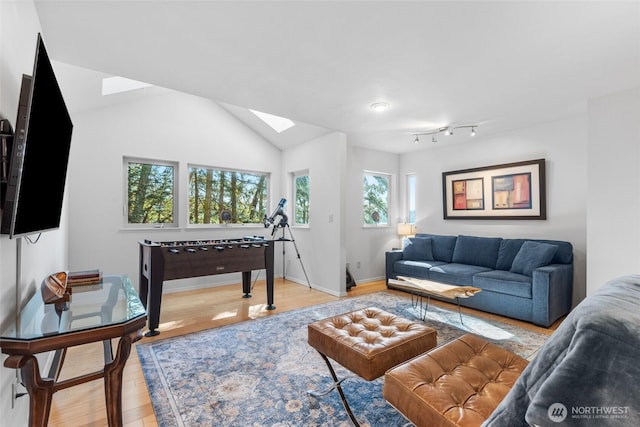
(525, 279)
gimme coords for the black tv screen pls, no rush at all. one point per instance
(42, 140)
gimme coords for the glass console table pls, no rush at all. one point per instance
(99, 312)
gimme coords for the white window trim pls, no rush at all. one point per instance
(389, 190)
(258, 225)
(294, 176)
(407, 204)
(125, 193)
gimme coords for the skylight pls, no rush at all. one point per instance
(111, 85)
(279, 124)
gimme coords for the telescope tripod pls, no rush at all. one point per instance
(284, 239)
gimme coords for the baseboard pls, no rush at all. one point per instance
(369, 279)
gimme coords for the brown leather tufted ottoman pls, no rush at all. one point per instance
(457, 384)
(368, 342)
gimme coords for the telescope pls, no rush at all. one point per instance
(278, 211)
(283, 223)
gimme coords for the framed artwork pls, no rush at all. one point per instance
(507, 191)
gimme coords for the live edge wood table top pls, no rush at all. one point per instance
(435, 288)
(99, 312)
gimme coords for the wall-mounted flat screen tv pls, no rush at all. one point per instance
(40, 154)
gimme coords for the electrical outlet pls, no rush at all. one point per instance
(358, 264)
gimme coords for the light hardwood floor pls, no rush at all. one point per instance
(184, 313)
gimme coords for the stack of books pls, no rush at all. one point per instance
(87, 277)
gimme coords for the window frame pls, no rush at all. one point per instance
(126, 160)
(411, 197)
(389, 178)
(294, 180)
(260, 224)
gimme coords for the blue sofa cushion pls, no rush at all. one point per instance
(417, 249)
(482, 251)
(417, 269)
(456, 274)
(531, 256)
(504, 282)
(442, 246)
(508, 250)
(564, 255)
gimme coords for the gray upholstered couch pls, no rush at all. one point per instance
(525, 279)
(587, 372)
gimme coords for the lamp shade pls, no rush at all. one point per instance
(405, 229)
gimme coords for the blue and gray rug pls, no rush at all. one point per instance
(257, 373)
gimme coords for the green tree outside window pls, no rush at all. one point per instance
(376, 199)
(218, 196)
(150, 193)
(301, 199)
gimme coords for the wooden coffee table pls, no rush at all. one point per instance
(421, 287)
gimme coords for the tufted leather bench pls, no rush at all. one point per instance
(368, 342)
(457, 384)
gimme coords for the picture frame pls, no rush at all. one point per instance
(507, 191)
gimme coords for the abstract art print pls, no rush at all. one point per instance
(506, 191)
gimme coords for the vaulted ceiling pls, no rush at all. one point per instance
(502, 65)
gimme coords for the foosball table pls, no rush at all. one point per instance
(160, 261)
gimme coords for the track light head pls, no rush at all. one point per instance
(416, 140)
(473, 131)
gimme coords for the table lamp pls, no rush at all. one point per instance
(406, 229)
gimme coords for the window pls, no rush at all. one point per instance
(301, 198)
(376, 199)
(411, 198)
(151, 192)
(218, 196)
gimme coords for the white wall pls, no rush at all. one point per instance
(562, 144)
(175, 127)
(19, 26)
(366, 245)
(322, 244)
(613, 203)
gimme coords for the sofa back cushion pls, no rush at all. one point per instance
(442, 246)
(417, 249)
(564, 255)
(509, 248)
(531, 256)
(481, 251)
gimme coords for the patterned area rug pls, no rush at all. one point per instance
(257, 373)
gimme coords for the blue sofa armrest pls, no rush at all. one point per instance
(390, 258)
(552, 289)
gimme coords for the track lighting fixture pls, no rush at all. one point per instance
(447, 130)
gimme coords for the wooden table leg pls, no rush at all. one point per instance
(113, 379)
(40, 390)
